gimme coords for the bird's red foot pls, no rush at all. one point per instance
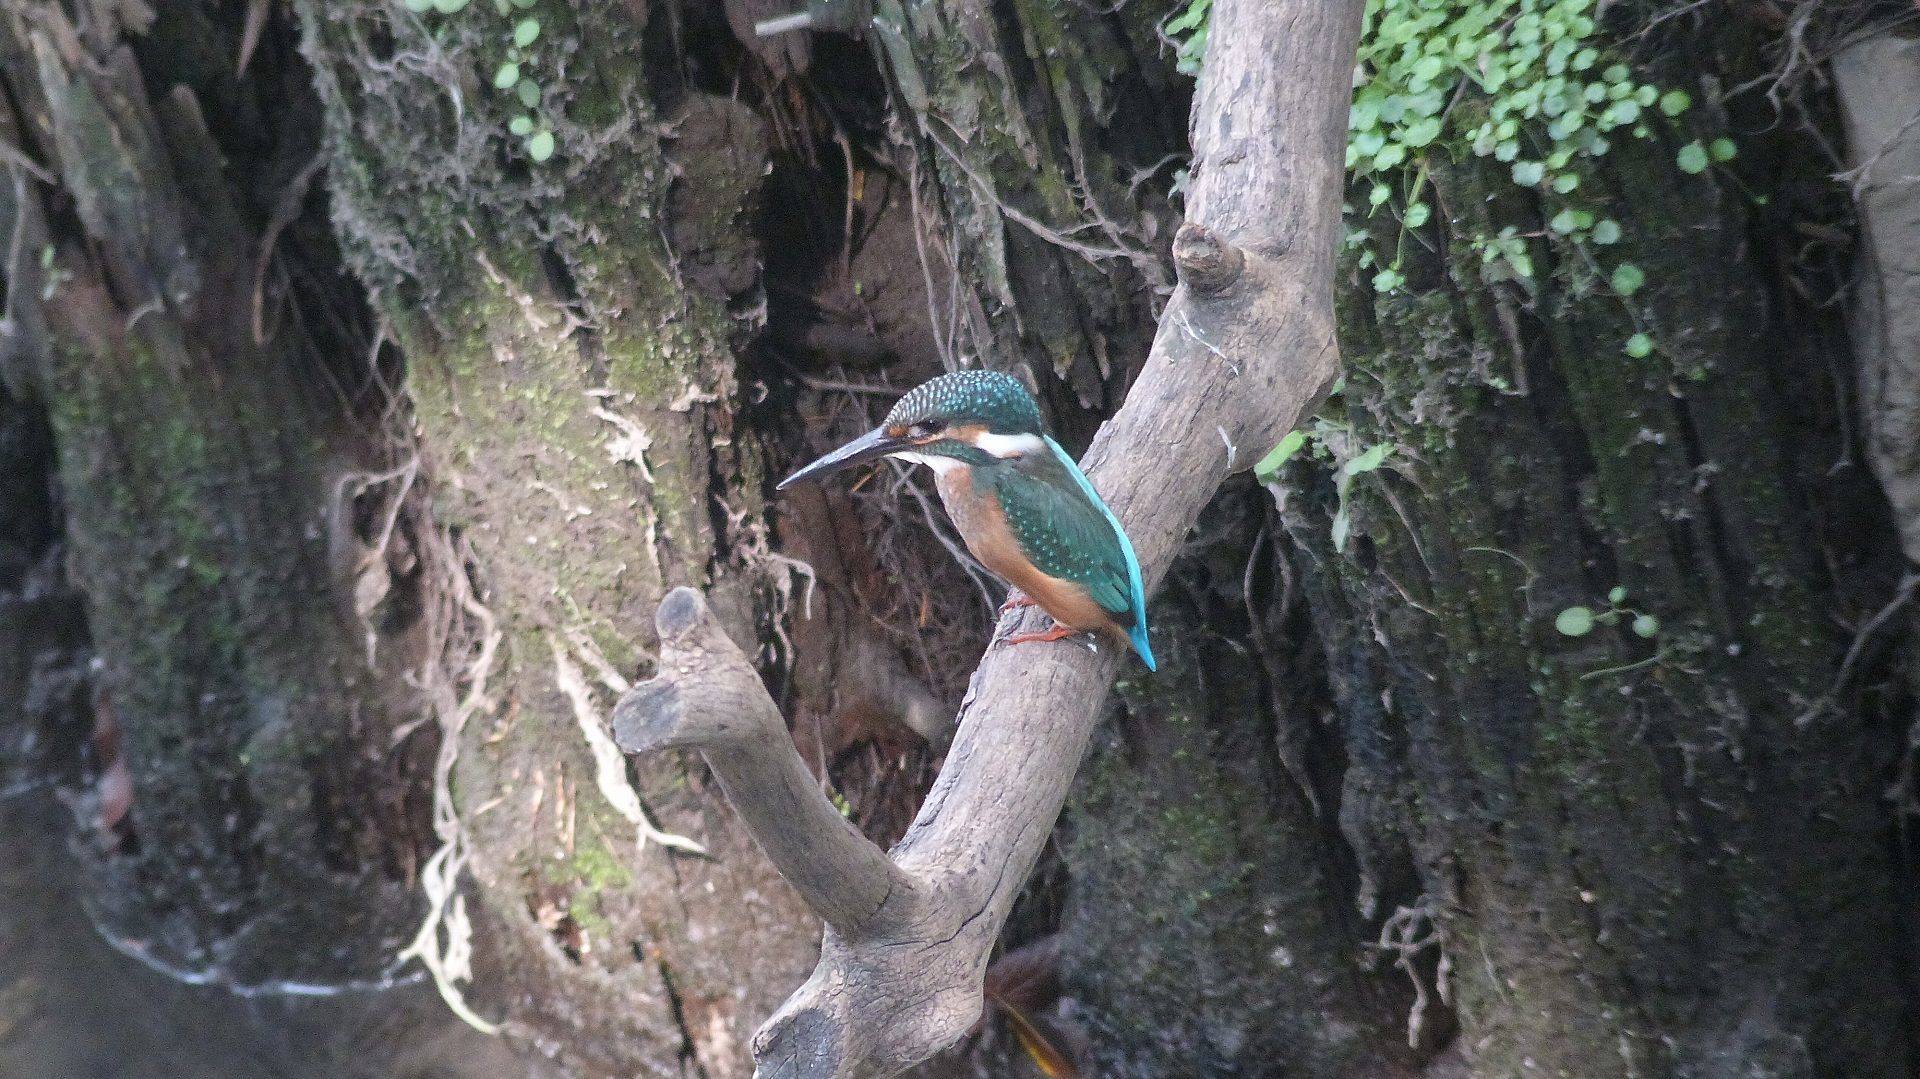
(1057, 633)
(1016, 600)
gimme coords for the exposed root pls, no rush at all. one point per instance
(361, 561)
(1410, 931)
(609, 766)
(439, 878)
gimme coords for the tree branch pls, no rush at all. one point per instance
(1244, 349)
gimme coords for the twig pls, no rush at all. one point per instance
(1902, 595)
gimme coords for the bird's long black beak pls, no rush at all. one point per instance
(875, 443)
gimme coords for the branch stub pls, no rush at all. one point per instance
(1206, 263)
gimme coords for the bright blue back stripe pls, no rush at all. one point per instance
(1137, 633)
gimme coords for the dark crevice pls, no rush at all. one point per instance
(689, 1051)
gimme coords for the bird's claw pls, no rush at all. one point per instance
(1017, 600)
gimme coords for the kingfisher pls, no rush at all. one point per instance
(1023, 506)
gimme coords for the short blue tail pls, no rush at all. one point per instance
(1138, 635)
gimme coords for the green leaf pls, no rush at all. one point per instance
(1627, 279)
(1617, 595)
(1417, 215)
(525, 32)
(1387, 280)
(1723, 149)
(448, 7)
(1607, 232)
(1692, 158)
(1369, 460)
(1646, 625)
(1528, 173)
(1270, 465)
(540, 146)
(1675, 102)
(521, 125)
(418, 6)
(1342, 523)
(1422, 132)
(528, 92)
(1574, 622)
(1565, 182)
(1639, 346)
(1563, 222)
(506, 76)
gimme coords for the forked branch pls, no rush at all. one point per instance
(1244, 349)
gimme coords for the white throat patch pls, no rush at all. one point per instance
(1005, 446)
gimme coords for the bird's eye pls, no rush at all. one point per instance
(926, 430)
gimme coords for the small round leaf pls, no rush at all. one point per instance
(1574, 622)
(507, 76)
(1646, 625)
(525, 32)
(1627, 279)
(540, 146)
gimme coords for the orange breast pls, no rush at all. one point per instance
(983, 524)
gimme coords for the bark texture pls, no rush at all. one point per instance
(1878, 81)
(1619, 840)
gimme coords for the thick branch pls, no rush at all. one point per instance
(707, 697)
(1244, 348)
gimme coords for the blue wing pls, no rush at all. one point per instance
(1136, 588)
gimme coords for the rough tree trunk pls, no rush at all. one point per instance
(570, 327)
(1658, 856)
(254, 824)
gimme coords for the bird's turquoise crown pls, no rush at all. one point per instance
(992, 399)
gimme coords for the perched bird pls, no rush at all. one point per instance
(1023, 506)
